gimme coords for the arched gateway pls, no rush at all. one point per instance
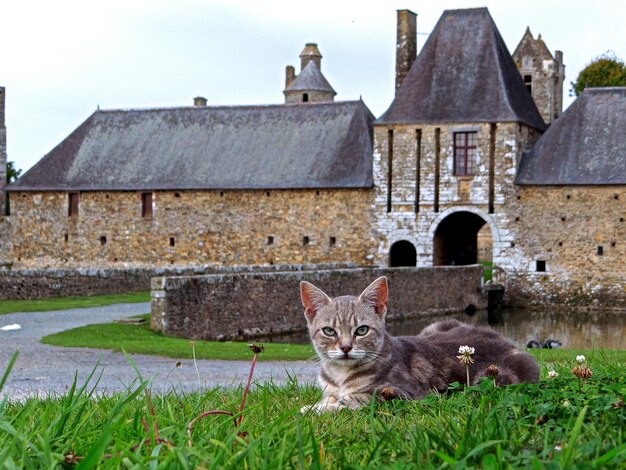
(402, 253)
(456, 240)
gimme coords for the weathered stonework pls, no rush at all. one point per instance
(543, 75)
(46, 283)
(192, 228)
(227, 307)
(5, 239)
(567, 246)
(419, 205)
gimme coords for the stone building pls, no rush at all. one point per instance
(543, 74)
(446, 150)
(568, 201)
(459, 169)
(204, 186)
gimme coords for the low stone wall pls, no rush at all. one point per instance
(47, 283)
(245, 306)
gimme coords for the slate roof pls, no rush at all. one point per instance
(310, 78)
(585, 146)
(464, 73)
(322, 145)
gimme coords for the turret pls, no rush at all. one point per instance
(310, 86)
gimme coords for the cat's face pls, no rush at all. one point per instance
(346, 330)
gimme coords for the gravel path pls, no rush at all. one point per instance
(42, 370)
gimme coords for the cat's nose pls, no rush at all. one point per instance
(346, 348)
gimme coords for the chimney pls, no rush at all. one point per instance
(199, 101)
(406, 44)
(290, 75)
(310, 52)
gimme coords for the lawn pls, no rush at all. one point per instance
(140, 339)
(557, 423)
(66, 303)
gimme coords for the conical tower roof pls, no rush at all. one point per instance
(464, 73)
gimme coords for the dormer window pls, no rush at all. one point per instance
(464, 153)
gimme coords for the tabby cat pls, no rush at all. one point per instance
(359, 358)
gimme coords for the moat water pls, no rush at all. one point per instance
(599, 329)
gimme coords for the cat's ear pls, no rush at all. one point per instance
(376, 295)
(313, 299)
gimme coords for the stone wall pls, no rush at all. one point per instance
(192, 228)
(41, 284)
(3, 155)
(569, 246)
(228, 307)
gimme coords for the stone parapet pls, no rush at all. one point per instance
(249, 305)
(47, 283)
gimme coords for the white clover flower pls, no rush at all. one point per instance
(553, 374)
(466, 350)
(580, 359)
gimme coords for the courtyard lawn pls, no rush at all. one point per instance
(558, 423)
(66, 303)
(140, 339)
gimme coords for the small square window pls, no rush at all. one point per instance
(270, 240)
(305, 240)
(541, 266)
(600, 250)
(103, 240)
(172, 241)
(332, 241)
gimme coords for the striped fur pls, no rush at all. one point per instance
(359, 359)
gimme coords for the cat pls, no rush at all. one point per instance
(360, 359)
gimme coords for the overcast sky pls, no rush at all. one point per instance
(62, 59)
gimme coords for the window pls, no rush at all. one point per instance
(72, 208)
(305, 97)
(305, 240)
(464, 153)
(146, 205)
(270, 240)
(528, 81)
(541, 266)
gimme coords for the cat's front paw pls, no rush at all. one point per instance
(324, 406)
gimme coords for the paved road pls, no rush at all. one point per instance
(42, 370)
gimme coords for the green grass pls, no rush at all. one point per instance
(140, 339)
(487, 270)
(552, 424)
(66, 303)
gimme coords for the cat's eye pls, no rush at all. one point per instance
(328, 331)
(361, 330)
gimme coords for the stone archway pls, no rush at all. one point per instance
(402, 253)
(455, 240)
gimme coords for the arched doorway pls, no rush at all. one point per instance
(402, 253)
(456, 239)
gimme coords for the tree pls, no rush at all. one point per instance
(605, 70)
(12, 172)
